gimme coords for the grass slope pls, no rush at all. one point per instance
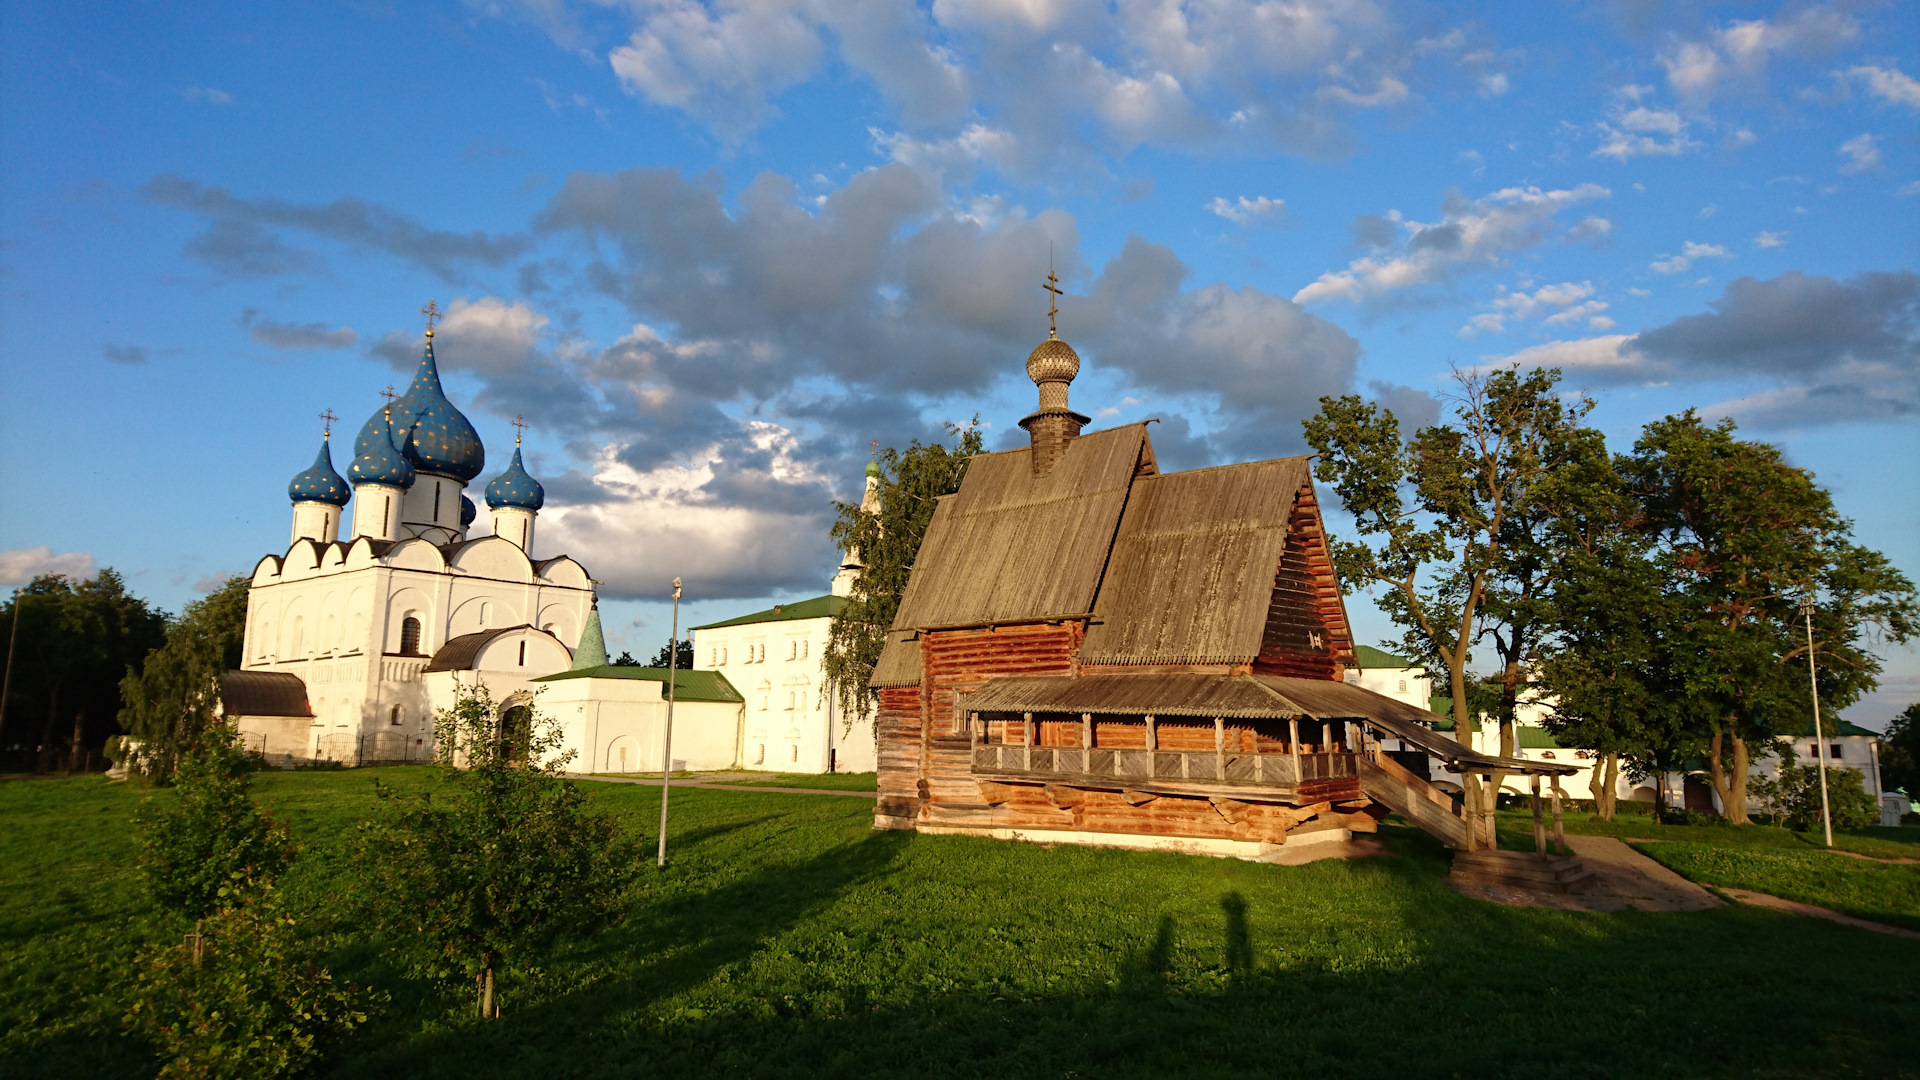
(863, 781)
(787, 938)
(1888, 894)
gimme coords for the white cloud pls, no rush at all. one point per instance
(1888, 84)
(1611, 354)
(1862, 153)
(1689, 253)
(208, 94)
(1909, 189)
(1770, 239)
(1739, 51)
(1559, 304)
(1391, 91)
(1633, 130)
(721, 66)
(1494, 85)
(24, 564)
(1477, 233)
(1245, 211)
(1639, 292)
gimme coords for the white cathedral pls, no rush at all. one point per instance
(353, 644)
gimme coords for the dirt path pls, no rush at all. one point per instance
(1767, 900)
(655, 782)
(1622, 878)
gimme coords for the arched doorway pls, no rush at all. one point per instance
(515, 731)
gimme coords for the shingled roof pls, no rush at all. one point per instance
(263, 693)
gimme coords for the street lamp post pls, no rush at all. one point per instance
(666, 763)
(1819, 740)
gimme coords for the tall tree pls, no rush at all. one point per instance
(1452, 520)
(1900, 752)
(911, 483)
(76, 639)
(1740, 537)
(682, 655)
(170, 701)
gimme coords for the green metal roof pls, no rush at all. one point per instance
(1536, 738)
(691, 685)
(1829, 727)
(820, 607)
(1369, 657)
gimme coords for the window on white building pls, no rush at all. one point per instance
(803, 650)
(1403, 686)
(393, 717)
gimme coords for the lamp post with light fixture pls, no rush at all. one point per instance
(666, 751)
(1819, 740)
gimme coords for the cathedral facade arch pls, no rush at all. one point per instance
(486, 611)
(296, 629)
(415, 554)
(404, 604)
(492, 557)
(562, 621)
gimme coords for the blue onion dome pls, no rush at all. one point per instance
(435, 436)
(467, 511)
(380, 462)
(320, 483)
(514, 488)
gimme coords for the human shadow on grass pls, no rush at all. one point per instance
(683, 940)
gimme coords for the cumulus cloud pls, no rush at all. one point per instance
(1556, 305)
(1738, 52)
(22, 565)
(1632, 129)
(284, 335)
(1470, 234)
(1862, 154)
(1827, 350)
(1060, 78)
(1259, 210)
(1690, 253)
(1767, 239)
(1889, 84)
(242, 236)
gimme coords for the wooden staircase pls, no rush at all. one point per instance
(1519, 869)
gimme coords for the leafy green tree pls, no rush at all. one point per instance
(245, 997)
(1452, 524)
(1793, 797)
(213, 848)
(1739, 537)
(170, 701)
(682, 656)
(76, 638)
(500, 857)
(911, 483)
(1900, 752)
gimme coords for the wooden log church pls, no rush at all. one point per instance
(1090, 650)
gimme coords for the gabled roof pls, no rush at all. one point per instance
(1011, 546)
(459, 653)
(263, 693)
(820, 607)
(1192, 571)
(688, 684)
(1369, 658)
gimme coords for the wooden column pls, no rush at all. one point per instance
(1026, 752)
(1539, 828)
(1153, 743)
(1086, 734)
(1559, 835)
(1293, 746)
(1219, 748)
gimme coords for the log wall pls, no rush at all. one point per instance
(1306, 636)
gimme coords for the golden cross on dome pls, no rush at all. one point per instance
(432, 312)
(1053, 310)
(327, 418)
(519, 426)
(389, 394)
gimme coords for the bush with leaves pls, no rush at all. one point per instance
(214, 848)
(244, 997)
(1793, 797)
(499, 857)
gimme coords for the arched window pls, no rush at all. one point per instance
(409, 636)
(394, 716)
(486, 614)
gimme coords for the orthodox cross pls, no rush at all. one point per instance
(1053, 310)
(519, 427)
(875, 443)
(432, 312)
(327, 418)
(389, 394)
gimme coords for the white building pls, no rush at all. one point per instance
(793, 722)
(357, 623)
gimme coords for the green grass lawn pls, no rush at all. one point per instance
(859, 781)
(787, 938)
(1888, 894)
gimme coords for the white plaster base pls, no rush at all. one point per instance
(1252, 850)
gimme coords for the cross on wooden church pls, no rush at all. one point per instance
(1053, 310)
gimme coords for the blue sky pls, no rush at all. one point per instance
(710, 251)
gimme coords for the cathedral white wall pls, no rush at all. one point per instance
(515, 526)
(792, 723)
(600, 718)
(316, 521)
(334, 619)
(431, 508)
(377, 511)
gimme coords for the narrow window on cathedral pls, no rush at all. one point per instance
(793, 650)
(386, 514)
(410, 636)
(393, 717)
(796, 752)
(523, 654)
(803, 650)
(436, 502)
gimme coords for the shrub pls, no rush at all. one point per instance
(1793, 797)
(215, 847)
(252, 1000)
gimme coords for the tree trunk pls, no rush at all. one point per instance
(486, 995)
(1463, 734)
(73, 757)
(43, 761)
(1603, 781)
(1732, 789)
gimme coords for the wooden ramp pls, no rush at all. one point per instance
(1386, 781)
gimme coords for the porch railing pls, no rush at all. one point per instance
(1151, 766)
